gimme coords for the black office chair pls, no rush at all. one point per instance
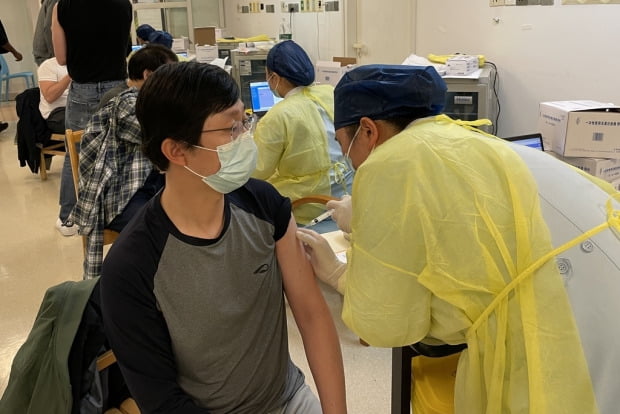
(401, 370)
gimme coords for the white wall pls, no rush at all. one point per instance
(19, 18)
(384, 30)
(542, 52)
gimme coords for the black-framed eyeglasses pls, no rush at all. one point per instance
(238, 127)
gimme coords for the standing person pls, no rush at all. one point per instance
(94, 70)
(6, 47)
(42, 46)
(449, 246)
(297, 152)
(193, 290)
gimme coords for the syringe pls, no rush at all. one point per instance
(320, 218)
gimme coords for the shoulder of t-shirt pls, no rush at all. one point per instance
(135, 253)
(261, 199)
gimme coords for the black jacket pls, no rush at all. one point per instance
(32, 130)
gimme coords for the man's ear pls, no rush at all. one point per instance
(369, 131)
(146, 73)
(175, 151)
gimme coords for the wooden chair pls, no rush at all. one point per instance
(74, 138)
(55, 147)
(128, 406)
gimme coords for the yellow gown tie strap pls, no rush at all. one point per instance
(613, 223)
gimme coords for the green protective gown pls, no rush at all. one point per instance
(444, 220)
(293, 149)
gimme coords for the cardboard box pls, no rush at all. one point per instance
(330, 72)
(461, 65)
(615, 184)
(180, 45)
(205, 35)
(345, 61)
(604, 168)
(581, 128)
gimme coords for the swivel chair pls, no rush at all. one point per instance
(6, 76)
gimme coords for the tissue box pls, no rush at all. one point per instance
(581, 128)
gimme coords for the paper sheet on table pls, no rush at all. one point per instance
(338, 244)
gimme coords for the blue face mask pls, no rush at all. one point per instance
(237, 163)
(275, 90)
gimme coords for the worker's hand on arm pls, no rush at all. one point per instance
(326, 265)
(342, 212)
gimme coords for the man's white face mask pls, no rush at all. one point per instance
(237, 160)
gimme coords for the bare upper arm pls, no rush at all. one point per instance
(300, 285)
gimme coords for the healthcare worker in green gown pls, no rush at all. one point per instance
(449, 246)
(297, 150)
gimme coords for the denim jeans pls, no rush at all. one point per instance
(82, 103)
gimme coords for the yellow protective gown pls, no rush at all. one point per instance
(443, 221)
(292, 147)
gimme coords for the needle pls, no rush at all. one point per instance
(320, 218)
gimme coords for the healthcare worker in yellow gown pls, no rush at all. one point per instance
(297, 150)
(449, 246)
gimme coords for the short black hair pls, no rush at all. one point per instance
(175, 101)
(149, 57)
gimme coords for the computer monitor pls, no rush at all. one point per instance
(530, 140)
(262, 97)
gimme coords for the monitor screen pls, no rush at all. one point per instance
(262, 97)
(532, 140)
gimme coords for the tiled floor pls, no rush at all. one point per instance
(34, 256)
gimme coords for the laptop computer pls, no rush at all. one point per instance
(262, 97)
(530, 140)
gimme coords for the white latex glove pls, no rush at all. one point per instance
(342, 212)
(326, 265)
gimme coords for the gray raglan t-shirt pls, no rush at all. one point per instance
(200, 325)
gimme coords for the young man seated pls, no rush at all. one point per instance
(54, 84)
(193, 290)
(115, 177)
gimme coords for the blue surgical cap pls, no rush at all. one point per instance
(290, 61)
(387, 91)
(144, 31)
(161, 38)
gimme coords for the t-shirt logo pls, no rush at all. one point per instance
(264, 268)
